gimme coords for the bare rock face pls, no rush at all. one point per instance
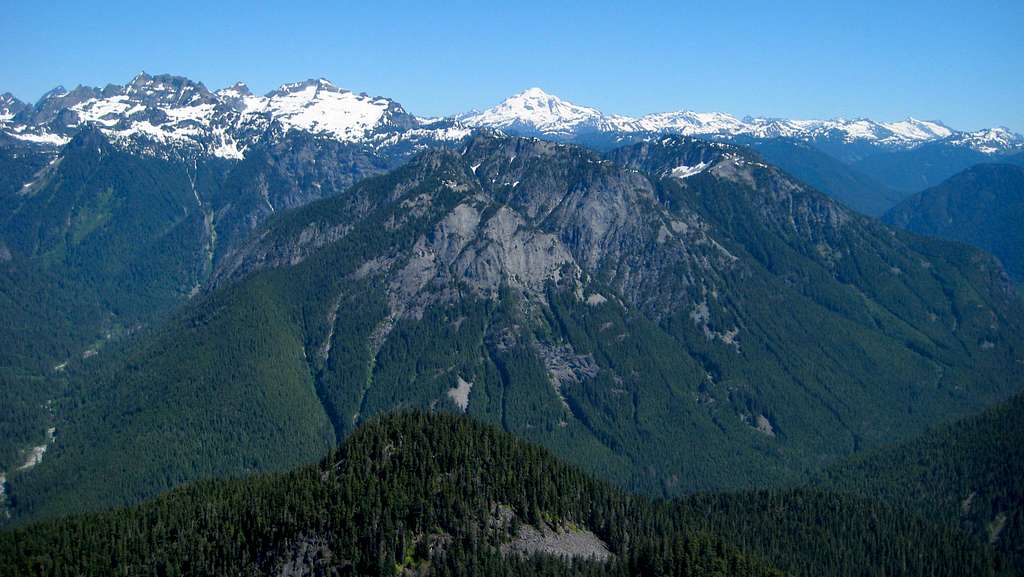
(565, 541)
(254, 255)
(306, 557)
(535, 212)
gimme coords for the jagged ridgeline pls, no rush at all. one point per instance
(436, 494)
(675, 316)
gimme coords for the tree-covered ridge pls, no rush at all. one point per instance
(414, 493)
(435, 494)
(970, 474)
(574, 300)
(982, 206)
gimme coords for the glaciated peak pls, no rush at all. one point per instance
(914, 129)
(319, 107)
(990, 140)
(535, 92)
(537, 110)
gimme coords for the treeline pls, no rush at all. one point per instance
(419, 493)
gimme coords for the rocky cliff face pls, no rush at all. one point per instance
(533, 213)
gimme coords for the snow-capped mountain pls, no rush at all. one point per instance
(538, 113)
(164, 114)
(160, 113)
(9, 106)
(989, 140)
(537, 110)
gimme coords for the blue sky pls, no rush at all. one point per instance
(960, 62)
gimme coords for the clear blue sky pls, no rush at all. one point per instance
(961, 62)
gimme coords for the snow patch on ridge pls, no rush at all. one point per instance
(684, 171)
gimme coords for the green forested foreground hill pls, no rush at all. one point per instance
(679, 316)
(969, 474)
(436, 494)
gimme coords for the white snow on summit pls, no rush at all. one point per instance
(989, 140)
(321, 107)
(913, 129)
(154, 113)
(537, 111)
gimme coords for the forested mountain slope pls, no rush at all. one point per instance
(922, 167)
(970, 473)
(97, 242)
(855, 189)
(982, 206)
(421, 494)
(604, 307)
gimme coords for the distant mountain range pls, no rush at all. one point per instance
(544, 114)
(165, 113)
(177, 111)
(868, 165)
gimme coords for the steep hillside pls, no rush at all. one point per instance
(606, 308)
(98, 241)
(970, 473)
(419, 494)
(842, 182)
(982, 206)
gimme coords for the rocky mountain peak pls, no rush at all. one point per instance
(167, 90)
(235, 90)
(10, 106)
(168, 115)
(310, 87)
